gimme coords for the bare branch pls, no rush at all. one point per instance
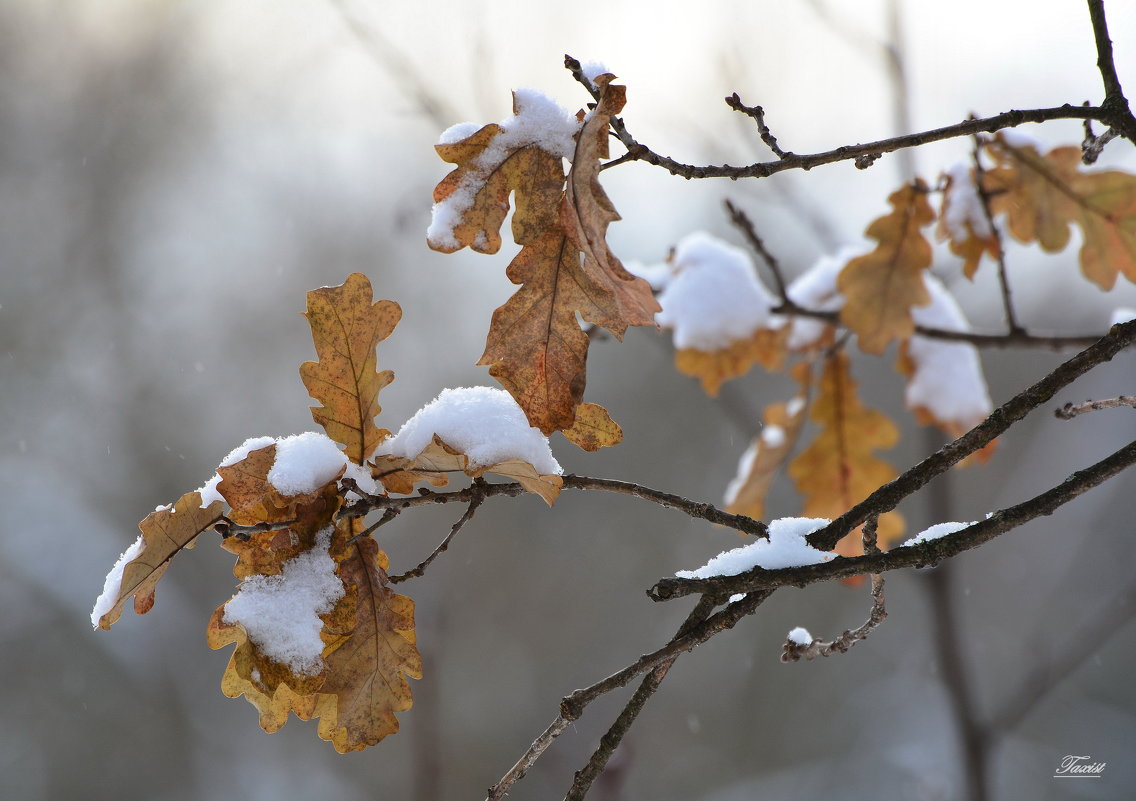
(1071, 410)
(757, 114)
(744, 224)
(420, 569)
(922, 555)
(1003, 275)
(1115, 104)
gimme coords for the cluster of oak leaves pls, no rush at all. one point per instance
(537, 350)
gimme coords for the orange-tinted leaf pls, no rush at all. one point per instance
(474, 197)
(535, 347)
(839, 468)
(346, 328)
(372, 651)
(368, 653)
(164, 533)
(765, 457)
(1042, 196)
(593, 429)
(766, 347)
(881, 287)
(587, 212)
(963, 222)
(252, 499)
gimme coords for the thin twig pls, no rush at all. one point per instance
(1115, 105)
(1071, 410)
(390, 514)
(889, 495)
(757, 114)
(744, 224)
(922, 555)
(420, 569)
(704, 511)
(793, 652)
(572, 706)
(227, 528)
(584, 777)
(1015, 328)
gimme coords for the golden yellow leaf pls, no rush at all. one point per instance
(766, 347)
(1042, 196)
(346, 328)
(593, 429)
(165, 532)
(368, 654)
(968, 239)
(881, 287)
(839, 468)
(767, 455)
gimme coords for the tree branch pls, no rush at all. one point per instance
(889, 495)
(1071, 410)
(420, 569)
(1115, 104)
(922, 555)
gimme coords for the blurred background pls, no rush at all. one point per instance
(175, 175)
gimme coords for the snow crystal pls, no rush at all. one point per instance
(737, 596)
(363, 478)
(593, 70)
(965, 206)
(936, 531)
(113, 582)
(538, 121)
(280, 613)
(456, 133)
(1121, 315)
(948, 380)
(715, 297)
(795, 405)
(484, 423)
(305, 462)
(815, 289)
(745, 464)
(800, 636)
(773, 436)
(786, 547)
(251, 444)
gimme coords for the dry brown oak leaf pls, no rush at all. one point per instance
(346, 328)
(165, 532)
(535, 347)
(1043, 195)
(839, 468)
(369, 653)
(438, 459)
(881, 287)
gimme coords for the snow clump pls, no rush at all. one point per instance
(484, 423)
(786, 547)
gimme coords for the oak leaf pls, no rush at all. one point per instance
(765, 457)
(880, 287)
(766, 347)
(369, 651)
(346, 328)
(593, 429)
(436, 460)
(1042, 196)
(535, 347)
(963, 222)
(839, 468)
(253, 499)
(165, 533)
